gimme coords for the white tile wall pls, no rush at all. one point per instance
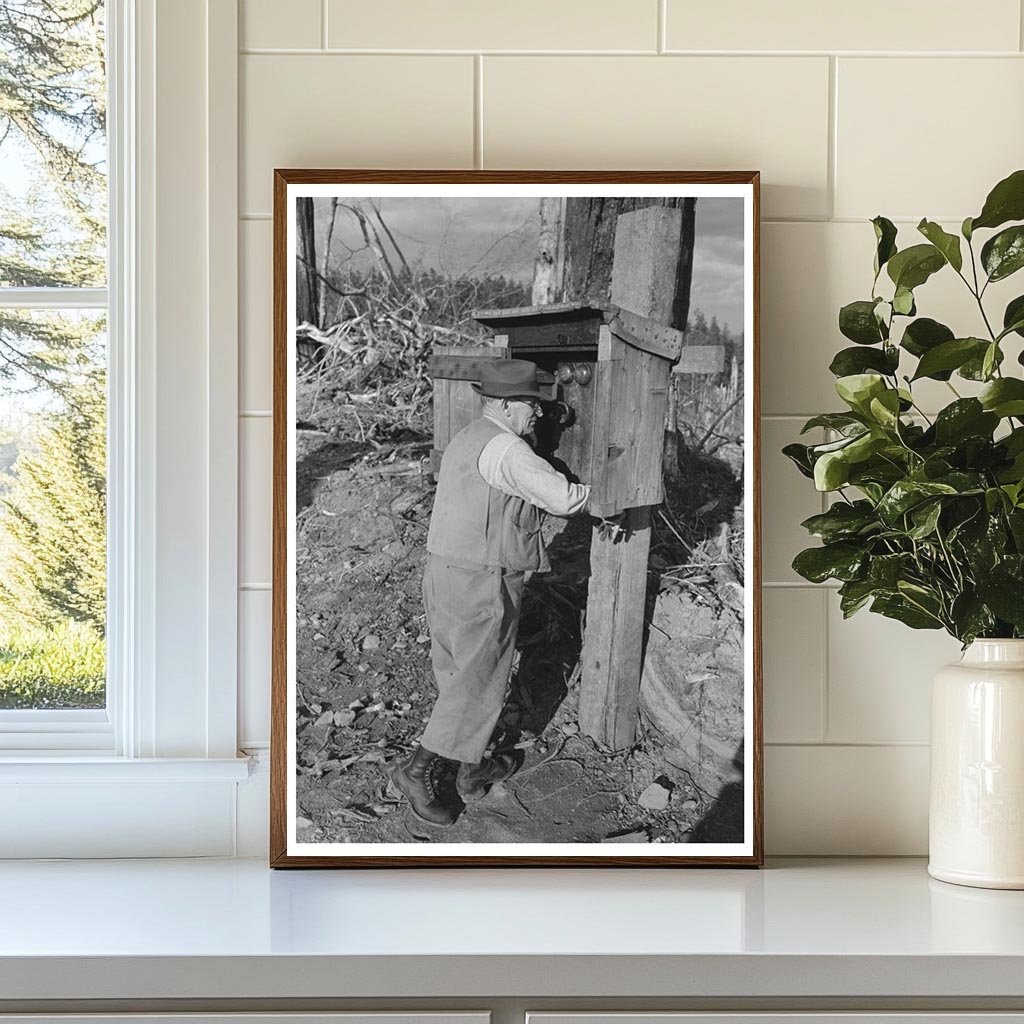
(255, 324)
(255, 512)
(794, 664)
(699, 113)
(496, 25)
(872, 25)
(264, 24)
(907, 110)
(330, 110)
(879, 677)
(254, 664)
(961, 130)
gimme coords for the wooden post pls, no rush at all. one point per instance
(547, 269)
(645, 280)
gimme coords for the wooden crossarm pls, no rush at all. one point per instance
(700, 359)
(644, 333)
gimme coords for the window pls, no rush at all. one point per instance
(53, 371)
(161, 304)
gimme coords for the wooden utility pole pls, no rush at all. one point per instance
(547, 269)
(649, 275)
(589, 239)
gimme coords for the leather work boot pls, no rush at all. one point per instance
(417, 781)
(474, 780)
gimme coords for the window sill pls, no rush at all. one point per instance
(78, 766)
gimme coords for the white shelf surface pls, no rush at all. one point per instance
(234, 929)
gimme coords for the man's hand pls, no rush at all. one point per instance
(612, 528)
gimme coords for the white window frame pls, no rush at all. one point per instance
(171, 719)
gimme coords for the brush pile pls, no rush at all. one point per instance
(366, 376)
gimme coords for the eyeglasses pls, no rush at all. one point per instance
(533, 403)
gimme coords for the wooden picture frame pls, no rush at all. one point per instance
(627, 355)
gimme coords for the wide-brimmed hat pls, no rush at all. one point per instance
(513, 378)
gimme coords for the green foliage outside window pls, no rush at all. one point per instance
(52, 365)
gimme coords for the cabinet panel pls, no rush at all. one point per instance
(361, 1017)
(788, 1017)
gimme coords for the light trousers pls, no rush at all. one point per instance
(473, 618)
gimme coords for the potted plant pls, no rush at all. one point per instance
(927, 521)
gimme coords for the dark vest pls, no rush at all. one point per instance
(475, 524)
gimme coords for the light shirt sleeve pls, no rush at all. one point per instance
(509, 464)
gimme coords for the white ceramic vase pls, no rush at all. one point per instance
(976, 814)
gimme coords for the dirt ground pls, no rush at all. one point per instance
(365, 687)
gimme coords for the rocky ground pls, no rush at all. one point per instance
(365, 688)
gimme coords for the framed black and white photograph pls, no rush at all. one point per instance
(516, 580)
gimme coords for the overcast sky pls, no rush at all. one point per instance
(499, 235)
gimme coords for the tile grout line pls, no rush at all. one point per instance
(1020, 25)
(825, 650)
(323, 24)
(831, 172)
(824, 713)
(478, 111)
(768, 55)
(662, 42)
(852, 744)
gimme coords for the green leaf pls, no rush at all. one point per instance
(974, 368)
(947, 244)
(843, 521)
(885, 237)
(857, 321)
(990, 360)
(1015, 520)
(965, 229)
(903, 302)
(858, 389)
(1013, 317)
(849, 361)
(1005, 202)
(887, 570)
(831, 471)
(1004, 397)
(966, 417)
(854, 594)
(840, 561)
(1003, 254)
(963, 482)
(906, 494)
(925, 518)
(885, 409)
(971, 617)
(949, 355)
(912, 267)
(800, 456)
(923, 335)
(834, 420)
(865, 446)
(900, 609)
(1006, 599)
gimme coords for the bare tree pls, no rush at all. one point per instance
(308, 292)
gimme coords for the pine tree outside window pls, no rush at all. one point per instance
(53, 369)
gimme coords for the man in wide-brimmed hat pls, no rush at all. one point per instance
(485, 536)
